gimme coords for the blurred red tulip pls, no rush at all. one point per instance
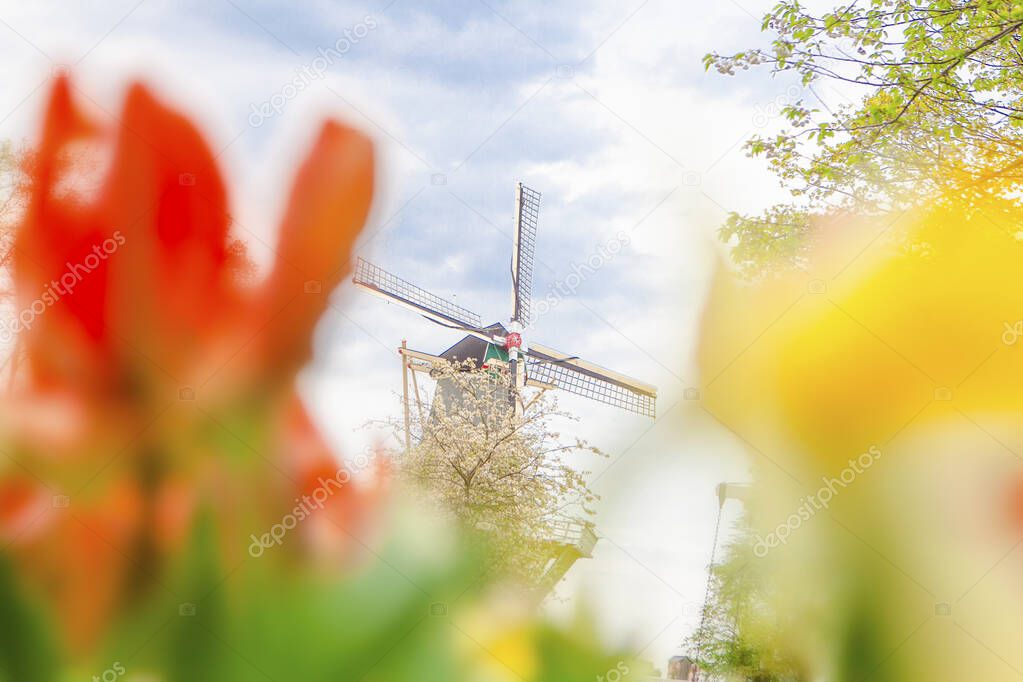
(155, 382)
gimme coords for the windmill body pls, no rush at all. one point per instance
(505, 344)
(477, 353)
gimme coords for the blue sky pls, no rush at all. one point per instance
(603, 107)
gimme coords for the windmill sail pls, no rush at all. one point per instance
(378, 281)
(548, 367)
(527, 216)
(528, 364)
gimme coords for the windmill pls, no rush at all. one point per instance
(529, 364)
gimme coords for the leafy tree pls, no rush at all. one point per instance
(936, 111)
(498, 470)
(739, 634)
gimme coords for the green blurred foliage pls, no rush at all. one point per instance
(408, 611)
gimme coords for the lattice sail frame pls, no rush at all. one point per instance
(524, 255)
(391, 286)
(576, 380)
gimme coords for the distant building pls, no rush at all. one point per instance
(681, 668)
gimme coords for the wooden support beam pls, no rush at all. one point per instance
(419, 401)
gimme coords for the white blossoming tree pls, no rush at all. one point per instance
(502, 471)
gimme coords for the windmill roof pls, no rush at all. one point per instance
(472, 347)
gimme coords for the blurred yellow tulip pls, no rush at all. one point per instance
(880, 394)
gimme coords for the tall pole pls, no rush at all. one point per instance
(721, 491)
(517, 372)
(404, 395)
(513, 365)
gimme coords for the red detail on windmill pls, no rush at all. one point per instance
(513, 340)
